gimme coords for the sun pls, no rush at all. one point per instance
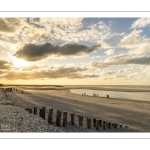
(20, 63)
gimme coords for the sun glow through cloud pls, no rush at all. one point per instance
(20, 63)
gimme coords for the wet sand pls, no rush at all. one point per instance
(135, 114)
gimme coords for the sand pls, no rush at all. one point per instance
(131, 113)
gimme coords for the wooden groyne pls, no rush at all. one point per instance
(14, 90)
(63, 118)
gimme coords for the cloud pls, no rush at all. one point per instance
(32, 67)
(110, 52)
(122, 59)
(5, 65)
(126, 59)
(33, 33)
(51, 73)
(136, 43)
(147, 70)
(116, 77)
(107, 73)
(127, 69)
(12, 25)
(94, 65)
(141, 23)
(9, 24)
(32, 52)
(74, 29)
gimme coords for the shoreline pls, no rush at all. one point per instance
(56, 87)
(111, 98)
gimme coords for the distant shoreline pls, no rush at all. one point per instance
(59, 87)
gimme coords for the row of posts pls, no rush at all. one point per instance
(96, 122)
(94, 95)
(14, 90)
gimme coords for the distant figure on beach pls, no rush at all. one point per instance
(82, 94)
(107, 96)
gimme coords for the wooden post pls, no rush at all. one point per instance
(50, 116)
(64, 118)
(44, 110)
(97, 124)
(104, 125)
(116, 125)
(72, 119)
(88, 123)
(120, 126)
(109, 125)
(79, 119)
(30, 110)
(58, 117)
(94, 122)
(35, 110)
(100, 123)
(27, 109)
(41, 112)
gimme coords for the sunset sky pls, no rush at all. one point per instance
(75, 51)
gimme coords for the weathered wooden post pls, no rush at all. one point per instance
(81, 121)
(116, 125)
(97, 124)
(30, 110)
(58, 117)
(88, 123)
(72, 119)
(94, 122)
(100, 123)
(107, 96)
(43, 111)
(35, 110)
(109, 125)
(27, 109)
(104, 125)
(64, 118)
(50, 116)
(120, 126)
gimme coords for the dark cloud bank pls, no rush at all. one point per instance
(32, 52)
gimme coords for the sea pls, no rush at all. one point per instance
(138, 96)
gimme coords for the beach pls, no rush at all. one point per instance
(133, 114)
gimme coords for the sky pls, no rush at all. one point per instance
(75, 51)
